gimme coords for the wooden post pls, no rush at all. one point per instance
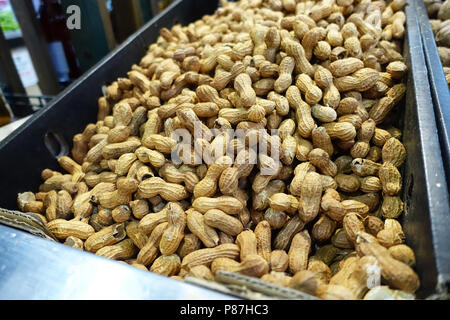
(37, 46)
(8, 71)
(154, 4)
(107, 25)
(136, 9)
(10, 77)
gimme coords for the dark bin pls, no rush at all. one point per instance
(438, 85)
(426, 219)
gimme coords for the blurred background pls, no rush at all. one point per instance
(40, 55)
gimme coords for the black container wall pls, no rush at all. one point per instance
(426, 220)
(438, 85)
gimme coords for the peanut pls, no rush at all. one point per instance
(166, 265)
(299, 251)
(208, 185)
(243, 86)
(253, 265)
(122, 250)
(284, 80)
(157, 186)
(105, 237)
(177, 175)
(390, 178)
(289, 230)
(278, 278)
(229, 178)
(150, 250)
(284, 202)
(74, 243)
(196, 224)
(139, 239)
(279, 261)
(305, 122)
(403, 253)
(201, 272)
(396, 274)
(172, 236)
(312, 93)
(63, 229)
(226, 204)
(218, 219)
(352, 226)
(190, 243)
(208, 255)
(392, 234)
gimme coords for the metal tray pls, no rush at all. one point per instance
(439, 87)
(24, 154)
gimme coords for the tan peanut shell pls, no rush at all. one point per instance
(172, 236)
(206, 256)
(105, 237)
(299, 251)
(395, 273)
(285, 235)
(150, 250)
(311, 193)
(190, 243)
(63, 229)
(352, 225)
(227, 204)
(134, 233)
(166, 265)
(220, 220)
(246, 240)
(196, 224)
(122, 250)
(279, 261)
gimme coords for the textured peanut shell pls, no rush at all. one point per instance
(220, 220)
(323, 229)
(150, 250)
(246, 241)
(134, 233)
(122, 250)
(197, 225)
(279, 261)
(227, 204)
(63, 229)
(190, 243)
(166, 265)
(172, 236)
(105, 237)
(352, 225)
(395, 273)
(299, 251)
(311, 193)
(285, 235)
(206, 256)
(263, 236)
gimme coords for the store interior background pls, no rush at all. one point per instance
(33, 71)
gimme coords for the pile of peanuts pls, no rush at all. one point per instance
(326, 74)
